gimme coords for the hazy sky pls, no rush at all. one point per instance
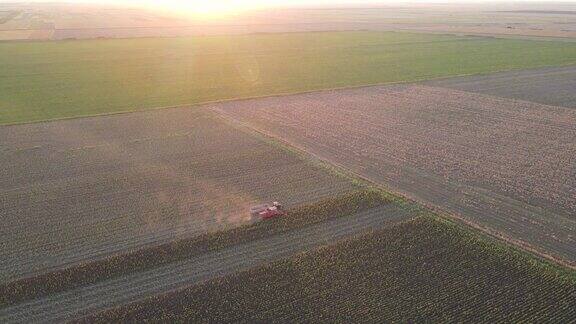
(209, 7)
(280, 2)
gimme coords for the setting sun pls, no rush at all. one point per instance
(208, 10)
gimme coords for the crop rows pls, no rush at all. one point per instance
(423, 270)
(228, 252)
(83, 189)
(505, 165)
(139, 260)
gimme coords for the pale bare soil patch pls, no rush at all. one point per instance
(505, 165)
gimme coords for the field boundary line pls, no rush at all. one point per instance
(396, 29)
(275, 95)
(405, 199)
(536, 38)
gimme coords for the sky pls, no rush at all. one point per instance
(216, 7)
(273, 3)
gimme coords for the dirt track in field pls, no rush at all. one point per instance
(78, 302)
(82, 189)
(505, 165)
(551, 86)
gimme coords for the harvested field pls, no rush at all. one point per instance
(8, 35)
(506, 166)
(86, 273)
(82, 189)
(6, 16)
(419, 271)
(225, 260)
(551, 86)
(501, 30)
(503, 20)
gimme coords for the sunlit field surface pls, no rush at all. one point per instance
(51, 80)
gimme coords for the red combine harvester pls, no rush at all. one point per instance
(266, 211)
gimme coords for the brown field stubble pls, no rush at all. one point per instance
(117, 265)
(507, 165)
(83, 189)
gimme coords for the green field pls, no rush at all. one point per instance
(420, 271)
(49, 80)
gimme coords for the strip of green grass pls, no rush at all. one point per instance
(147, 258)
(51, 80)
(420, 271)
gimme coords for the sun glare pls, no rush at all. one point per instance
(208, 9)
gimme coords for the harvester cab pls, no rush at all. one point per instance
(266, 211)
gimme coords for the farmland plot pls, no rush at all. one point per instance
(80, 189)
(504, 165)
(54, 80)
(350, 204)
(420, 271)
(6, 16)
(551, 86)
(277, 243)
